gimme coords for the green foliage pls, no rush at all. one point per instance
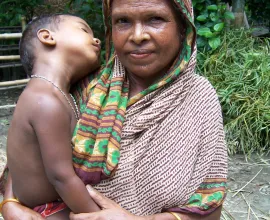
(210, 20)
(12, 10)
(259, 9)
(90, 11)
(240, 72)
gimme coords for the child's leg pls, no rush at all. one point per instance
(62, 215)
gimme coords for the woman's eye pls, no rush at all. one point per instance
(156, 19)
(122, 21)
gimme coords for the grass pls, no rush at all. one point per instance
(240, 71)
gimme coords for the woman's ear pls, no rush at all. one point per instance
(46, 37)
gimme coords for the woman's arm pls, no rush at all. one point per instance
(110, 208)
(16, 211)
(167, 216)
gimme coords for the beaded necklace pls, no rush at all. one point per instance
(76, 112)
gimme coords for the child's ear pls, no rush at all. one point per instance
(46, 37)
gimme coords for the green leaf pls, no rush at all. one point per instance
(229, 15)
(219, 27)
(205, 32)
(209, 35)
(199, 7)
(194, 2)
(209, 24)
(201, 42)
(201, 18)
(212, 7)
(222, 7)
(214, 42)
(214, 17)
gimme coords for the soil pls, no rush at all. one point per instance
(248, 181)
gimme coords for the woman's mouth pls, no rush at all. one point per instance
(140, 54)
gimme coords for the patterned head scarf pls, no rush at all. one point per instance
(104, 100)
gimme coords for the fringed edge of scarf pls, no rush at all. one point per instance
(206, 199)
(98, 134)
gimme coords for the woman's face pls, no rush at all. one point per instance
(146, 36)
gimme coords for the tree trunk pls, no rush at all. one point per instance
(238, 8)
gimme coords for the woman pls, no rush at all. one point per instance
(150, 135)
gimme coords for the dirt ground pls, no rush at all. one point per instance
(248, 182)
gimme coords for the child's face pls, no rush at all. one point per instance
(76, 42)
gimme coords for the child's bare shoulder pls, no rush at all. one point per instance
(42, 103)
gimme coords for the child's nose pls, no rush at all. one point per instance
(97, 40)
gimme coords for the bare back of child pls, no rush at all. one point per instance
(39, 147)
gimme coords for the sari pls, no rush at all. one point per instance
(161, 150)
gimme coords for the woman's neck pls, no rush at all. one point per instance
(137, 84)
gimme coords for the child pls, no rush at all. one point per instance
(56, 51)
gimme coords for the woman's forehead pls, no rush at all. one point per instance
(142, 5)
(184, 5)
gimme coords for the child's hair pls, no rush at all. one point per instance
(29, 36)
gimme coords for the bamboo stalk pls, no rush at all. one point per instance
(10, 36)
(23, 23)
(12, 87)
(13, 83)
(10, 27)
(11, 57)
(10, 65)
(9, 47)
(7, 106)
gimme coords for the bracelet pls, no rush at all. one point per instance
(7, 200)
(175, 215)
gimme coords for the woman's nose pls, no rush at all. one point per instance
(97, 40)
(139, 34)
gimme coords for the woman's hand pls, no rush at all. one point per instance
(16, 211)
(110, 209)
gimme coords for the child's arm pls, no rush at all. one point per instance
(51, 123)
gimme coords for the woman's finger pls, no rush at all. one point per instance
(15, 211)
(100, 199)
(82, 216)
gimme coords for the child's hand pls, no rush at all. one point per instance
(16, 211)
(110, 209)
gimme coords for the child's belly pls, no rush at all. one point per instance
(29, 181)
(34, 191)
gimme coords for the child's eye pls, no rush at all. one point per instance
(84, 30)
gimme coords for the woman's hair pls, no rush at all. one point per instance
(27, 42)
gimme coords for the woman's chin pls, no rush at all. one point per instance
(145, 72)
